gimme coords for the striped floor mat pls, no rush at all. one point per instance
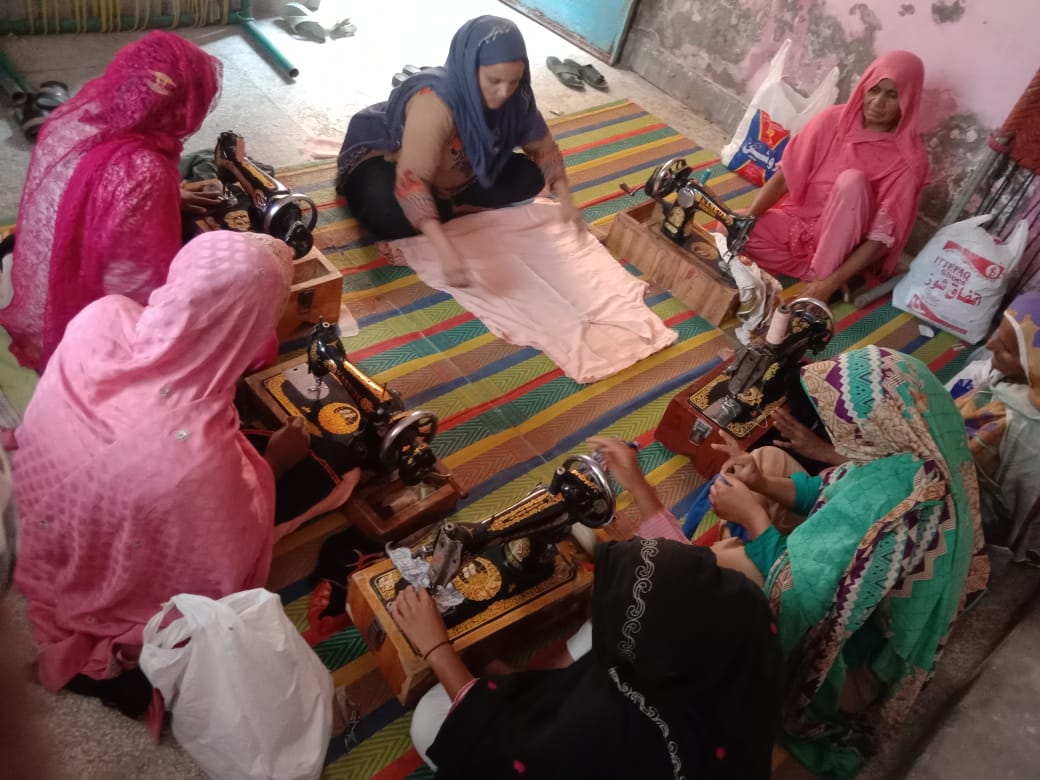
(507, 413)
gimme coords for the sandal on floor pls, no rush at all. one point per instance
(566, 71)
(588, 74)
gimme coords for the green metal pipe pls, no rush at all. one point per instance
(265, 43)
(7, 66)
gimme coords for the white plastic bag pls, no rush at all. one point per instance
(249, 697)
(958, 280)
(775, 113)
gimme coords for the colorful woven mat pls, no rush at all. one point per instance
(507, 414)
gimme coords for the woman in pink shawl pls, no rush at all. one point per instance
(100, 213)
(852, 179)
(133, 480)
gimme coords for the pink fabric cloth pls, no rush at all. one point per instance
(895, 164)
(100, 212)
(662, 525)
(539, 283)
(133, 480)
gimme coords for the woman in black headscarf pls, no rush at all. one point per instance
(683, 681)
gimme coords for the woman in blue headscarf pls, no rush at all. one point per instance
(442, 144)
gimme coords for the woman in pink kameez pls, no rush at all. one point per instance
(100, 213)
(852, 180)
(134, 482)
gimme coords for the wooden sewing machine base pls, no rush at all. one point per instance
(479, 638)
(676, 426)
(383, 508)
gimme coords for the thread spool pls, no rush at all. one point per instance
(778, 325)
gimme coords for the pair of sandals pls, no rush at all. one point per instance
(575, 76)
(32, 108)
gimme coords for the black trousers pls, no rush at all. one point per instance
(369, 190)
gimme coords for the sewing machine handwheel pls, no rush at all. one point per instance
(813, 308)
(405, 446)
(602, 515)
(665, 178)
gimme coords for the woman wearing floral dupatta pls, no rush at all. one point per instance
(867, 587)
(1002, 417)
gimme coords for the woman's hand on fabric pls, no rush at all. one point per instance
(198, 201)
(569, 213)
(288, 446)
(733, 500)
(455, 272)
(801, 439)
(739, 463)
(621, 460)
(416, 614)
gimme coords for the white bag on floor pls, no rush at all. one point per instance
(958, 280)
(775, 113)
(249, 697)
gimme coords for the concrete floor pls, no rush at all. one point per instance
(277, 117)
(336, 78)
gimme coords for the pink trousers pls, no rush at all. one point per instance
(811, 249)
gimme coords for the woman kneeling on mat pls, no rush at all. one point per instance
(852, 179)
(442, 145)
(866, 587)
(134, 482)
(678, 674)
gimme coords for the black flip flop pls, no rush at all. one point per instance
(566, 71)
(588, 74)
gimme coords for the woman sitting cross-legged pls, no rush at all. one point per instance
(865, 588)
(846, 194)
(134, 482)
(442, 144)
(679, 677)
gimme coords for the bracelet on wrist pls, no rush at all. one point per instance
(439, 644)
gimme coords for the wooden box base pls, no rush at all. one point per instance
(316, 294)
(383, 509)
(674, 430)
(478, 639)
(690, 274)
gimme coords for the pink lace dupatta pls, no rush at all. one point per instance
(133, 480)
(100, 212)
(895, 163)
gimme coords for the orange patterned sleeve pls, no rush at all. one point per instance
(546, 155)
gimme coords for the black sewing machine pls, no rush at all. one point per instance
(739, 396)
(271, 207)
(692, 196)
(371, 419)
(513, 570)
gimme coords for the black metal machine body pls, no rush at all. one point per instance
(385, 437)
(529, 529)
(273, 208)
(761, 373)
(691, 197)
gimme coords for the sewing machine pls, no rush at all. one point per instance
(741, 394)
(691, 197)
(258, 201)
(403, 487)
(516, 568)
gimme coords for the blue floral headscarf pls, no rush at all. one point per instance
(488, 137)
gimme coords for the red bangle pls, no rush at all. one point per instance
(439, 644)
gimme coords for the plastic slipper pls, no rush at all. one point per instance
(588, 74)
(566, 71)
(301, 23)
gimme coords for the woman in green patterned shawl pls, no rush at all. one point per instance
(867, 587)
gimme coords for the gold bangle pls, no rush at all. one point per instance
(439, 644)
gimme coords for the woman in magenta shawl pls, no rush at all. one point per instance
(101, 209)
(134, 482)
(852, 180)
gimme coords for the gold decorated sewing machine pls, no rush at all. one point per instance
(740, 395)
(365, 424)
(508, 576)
